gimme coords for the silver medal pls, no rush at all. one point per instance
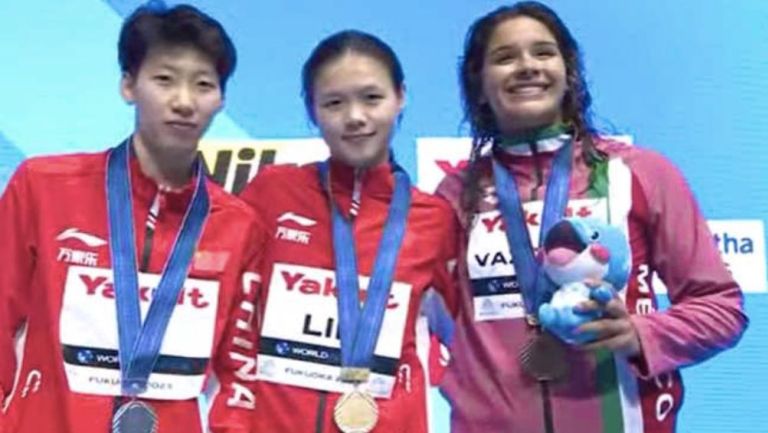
(134, 417)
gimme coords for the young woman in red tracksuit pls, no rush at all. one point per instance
(129, 276)
(527, 102)
(353, 249)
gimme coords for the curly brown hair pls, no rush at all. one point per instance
(576, 101)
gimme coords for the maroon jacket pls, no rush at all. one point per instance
(647, 196)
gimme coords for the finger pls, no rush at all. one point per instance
(615, 308)
(617, 343)
(605, 328)
(587, 307)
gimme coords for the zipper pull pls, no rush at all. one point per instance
(357, 192)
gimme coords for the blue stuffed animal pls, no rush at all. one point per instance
(576, 250)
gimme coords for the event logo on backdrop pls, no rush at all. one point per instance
(232, 163)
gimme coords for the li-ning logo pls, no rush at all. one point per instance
(293, 234)
(298, 219)
(76, 256)
(88, 239)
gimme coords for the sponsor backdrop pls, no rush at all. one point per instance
(682, 77)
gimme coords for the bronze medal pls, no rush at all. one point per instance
(544, 358)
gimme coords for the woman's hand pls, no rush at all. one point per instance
(613, 331)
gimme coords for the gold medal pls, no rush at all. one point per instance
(356, 412)
(543, 358)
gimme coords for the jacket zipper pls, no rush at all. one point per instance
(546, 401)
(537, 169)
(320, 417)
(149, 232)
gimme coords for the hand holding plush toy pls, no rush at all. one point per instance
(588, 260)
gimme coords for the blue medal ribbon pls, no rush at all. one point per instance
(534, 286)
(359, 328)
(139, 345)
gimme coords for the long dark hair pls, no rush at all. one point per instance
(576, 101)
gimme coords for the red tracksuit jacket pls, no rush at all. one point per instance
(58, 333)
(298, 349)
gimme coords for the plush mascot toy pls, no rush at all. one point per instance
(577, 250)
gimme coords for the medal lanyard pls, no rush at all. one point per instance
(533, 286)
(360, 328)
(139, 345)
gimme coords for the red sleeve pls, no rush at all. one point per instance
(706, 315)
(446, 271)
(235, 364)
(441, 305)
(17, 254)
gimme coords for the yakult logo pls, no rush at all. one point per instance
(495, 223)
(321, 286)
(103, 286)
(447, 168)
